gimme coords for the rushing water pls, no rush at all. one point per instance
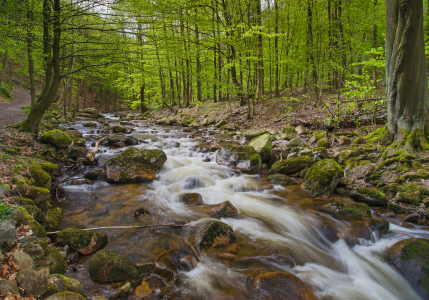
(278, 230)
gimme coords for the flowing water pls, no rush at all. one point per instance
(283, 229)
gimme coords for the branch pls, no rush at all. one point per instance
(131, 227)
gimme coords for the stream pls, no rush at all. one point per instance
(282, 230)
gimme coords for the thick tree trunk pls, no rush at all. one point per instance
(30, 56)
(407, 84)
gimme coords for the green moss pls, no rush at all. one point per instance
(59, 283)
(28, 220)
(211, 232)
(56, 263)
(40, 176)
(323, 177)
(392, 188)
(292, 165)
(55, 217)
(418, 249)
(74, 237)
(56, 138)
(421, 174)
(356, 209)
(373, 193)
(89, 124)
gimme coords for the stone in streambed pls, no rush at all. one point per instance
(276, 285)
(369, 196)
(411, 257)
(74, 134)
(83, 241)
(214, 234)
(191, 198)
(243, 158)
(119, 129)
(322, 178)
(187, 121)
(292, 165)
(134, 165)
(56, 263)
(66, 296)
(56, 138)
(353, 209)
(281, 179)
(221, 210)
(107, 266)
(60, 283)
(263, 145)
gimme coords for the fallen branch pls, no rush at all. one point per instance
(91, 155)
(131, 227)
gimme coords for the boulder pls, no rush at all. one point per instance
(83, 241)
(66, 296)
(254, 133)
(119, 129)
(288, 133)
(294, 143)
(23, 260)
(214, 234)
(187, 121)
(276, 285)
(300, 129)
(322, 178)
(281, 179)
(60, 283)
(7, 287)
(263, 145)
(360, 171)
(324, 143)
(79, 142)
(318, 135)
(388, 177)
(107, 266)
(208, 121)
(40, 176)
(411, 257)
(55, 217)
(164, 122)
(343, 140)
(369, 196)
(56, 138)
(74, 134)
(27, 219)
(221, 210)
(221, 123)
(292, 165)
(191, 198)
(116, 138)
(353, 209)
(244, 158)
(89, 124)
(56, 263)
(33, 282)
(133, 165)
(34, 247)
(408, 198)
(91, 111)
(7, 235)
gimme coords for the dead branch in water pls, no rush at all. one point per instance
(91, 155)
(131, 227)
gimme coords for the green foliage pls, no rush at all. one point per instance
(6, 90)
(5, 210)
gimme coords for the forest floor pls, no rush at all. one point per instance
(11, 112)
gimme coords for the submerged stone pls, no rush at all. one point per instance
(243, 158)
(83, 241)
(214, 234)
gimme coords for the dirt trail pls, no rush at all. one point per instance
(11, 112)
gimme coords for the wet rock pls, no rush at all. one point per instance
(93, 174)
(369, 196)
(214, 234)
(191, 198)
(23, 260)
(322, 178)
(89, 124)
(122, 291)
(254, 133)
(379, 227)
(107, 266)
(133, 165)
(7, 287)
(360, 171)
(323, 143)
(263, 145)
(83, 241)
(293, 165)
(74, 134)
(33, 282)
(164, 122)
(56, 263)
(60, 283)
(119, 129)
(116, 138)
(208, 121)
(141, 212)
(187, 121)
(142, 291)
(7, 235)
(166, 266)
(193, 182)
(388, 177)
(318, 135)
(412, 218)
(66, 296)
(408, 198)
(221, 210)
(34, 247)
(55, 217)
(411, 257)
(56, 138)
(144, 266)
(281, 179)
(244, 158)
(92, 112)
(352, 209)
(276, 285)
(345, 181)
(294, 143)
(79, 142)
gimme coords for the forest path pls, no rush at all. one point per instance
(11, 112)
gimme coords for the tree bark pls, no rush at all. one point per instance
(407, 84)
(30, 28)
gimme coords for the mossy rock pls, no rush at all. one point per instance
(55, 217)
(420, 174)
(77, 152)
(221, 123)
(38, 215)
(89, 124)
(56, 138)
(281, 179)
(79, 142)
(24, 201)
(223, 210)
(83, 241)
(60, 283)
(254, 133)
(318, 135)
(408, 198)
(214, 234)
(322, 178)
(323, 143)
(41, 177)
(56, 263)
(119, 129)
(164, 122)
(243, 158)
(351, 209)
(411, 257)
(208, 121)
(45, 165)
(38, 230)
(288, 133)
(107, 266)
(134, 166)
(74, 134)
(263, 145)
(66, 296)
(292, 165)
(370, 196)
(187, 121)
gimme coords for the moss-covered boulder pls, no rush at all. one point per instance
(38, 215)
(323, 143)
(254, 133)
(318, 135)
(221, 123)
(56, 263)
(263, 145)
(350, 209)
(119, 129)
(292, 165)
(164, 122)
(107, 266)
(66, 296)
(27, 219)
(55, 217)
(411, 257)
(83, 241)
(56, 138)
(370, 196)
(214, 234)
(59, 283)
(35, 247)
(90, 112)
(74, 134)
(281, 179)
(408, 198)
(79, 142)
(208, 121)
(89, 124)
(186, 121)
(276, 285)
(41, 177)
(322, 178)
(243, 158)
(133, 165)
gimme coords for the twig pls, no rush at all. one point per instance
(91, 155)
(131, 227)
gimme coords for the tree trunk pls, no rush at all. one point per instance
(30, 28)
(407, 84)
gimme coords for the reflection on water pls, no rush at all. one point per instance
(278, 230)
